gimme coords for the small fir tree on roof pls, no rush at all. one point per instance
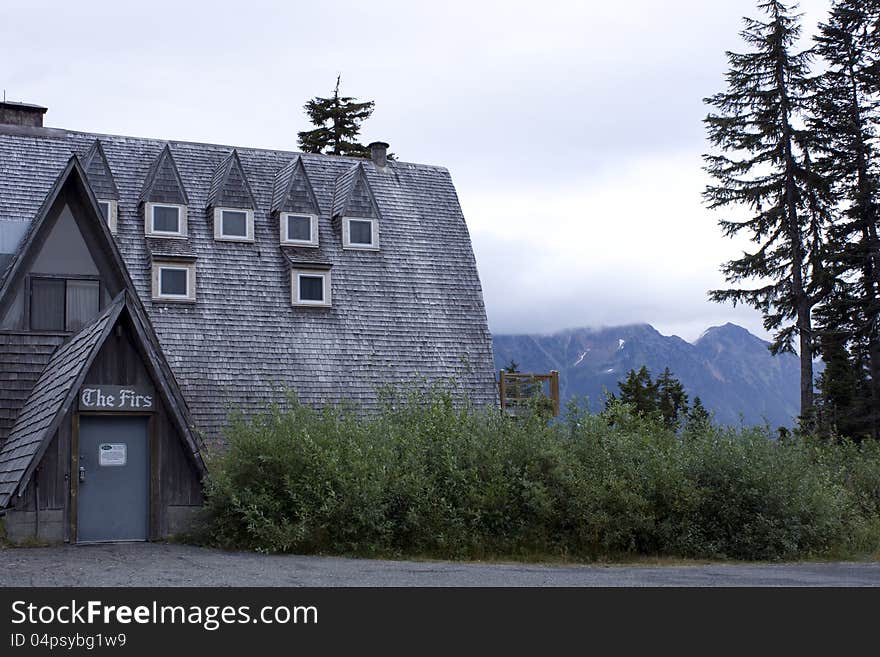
(338, 122)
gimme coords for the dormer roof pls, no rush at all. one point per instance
(163, 183)
(352, 196)
(229, 185)
(292, 191)
(98, 172)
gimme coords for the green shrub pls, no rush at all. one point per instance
(426, 477)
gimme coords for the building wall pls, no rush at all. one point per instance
(407, 315)
(177, 497)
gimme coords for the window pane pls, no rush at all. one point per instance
(299, 228)
(234, 224)
(173, 282)
(105, 209)
(311, 288)
(166, 220)
(360, 232)
(82, 303)
(47, 304)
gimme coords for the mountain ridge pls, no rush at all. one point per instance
(729, 368)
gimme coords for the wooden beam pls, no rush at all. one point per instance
(74, 475)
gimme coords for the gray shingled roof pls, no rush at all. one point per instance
(229, 187)
(352, 195)
(23, 357)
(163, 183)
(99, 174)
(292, 191)
(49, 399)
(412, 310)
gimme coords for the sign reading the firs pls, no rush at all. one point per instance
(115, 398)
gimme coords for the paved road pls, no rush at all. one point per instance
(156, 564)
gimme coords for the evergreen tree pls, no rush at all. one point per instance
(843, 405)
(639, 391)
(672, 401)
(764, 167)
(845, 118)
(698, 416)
(338, 120)
(664, 397)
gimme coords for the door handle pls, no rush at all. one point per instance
(82, 474)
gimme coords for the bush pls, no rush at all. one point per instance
(425, 477)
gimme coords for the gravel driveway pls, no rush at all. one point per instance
(157, 564)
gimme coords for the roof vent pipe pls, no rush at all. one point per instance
(379, 153)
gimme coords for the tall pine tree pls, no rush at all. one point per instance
(763, 166)
(845, 118)
(338, 120)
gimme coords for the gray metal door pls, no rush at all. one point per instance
(114, 479)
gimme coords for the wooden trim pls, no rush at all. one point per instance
(149, 220)
(313, 229)
(219, 236)
(326, 287)
(188, 266)
(112, 214)
(74, 477)
(118, 413)
(155, 476)
(357, 246)
(554, 391)
(502, 389)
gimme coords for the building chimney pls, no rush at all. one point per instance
(21, 114)
(379, 153)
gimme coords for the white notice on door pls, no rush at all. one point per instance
(111, 454)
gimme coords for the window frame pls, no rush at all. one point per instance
(296, 273)
(358, 246)
(150, 220)
(64, 279)
(188, 267)
(220, 236)
(285, 235)
(112, 212)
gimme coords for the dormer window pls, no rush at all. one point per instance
(299, 229)
(233, 225)
(174, 281)
(310, 287)
(109, 210)
(360, 233)
(165, 220)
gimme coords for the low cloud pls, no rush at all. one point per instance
(628, 247)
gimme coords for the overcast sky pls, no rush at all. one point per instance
(572, 129)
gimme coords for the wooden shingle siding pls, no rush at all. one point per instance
(411, 311)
